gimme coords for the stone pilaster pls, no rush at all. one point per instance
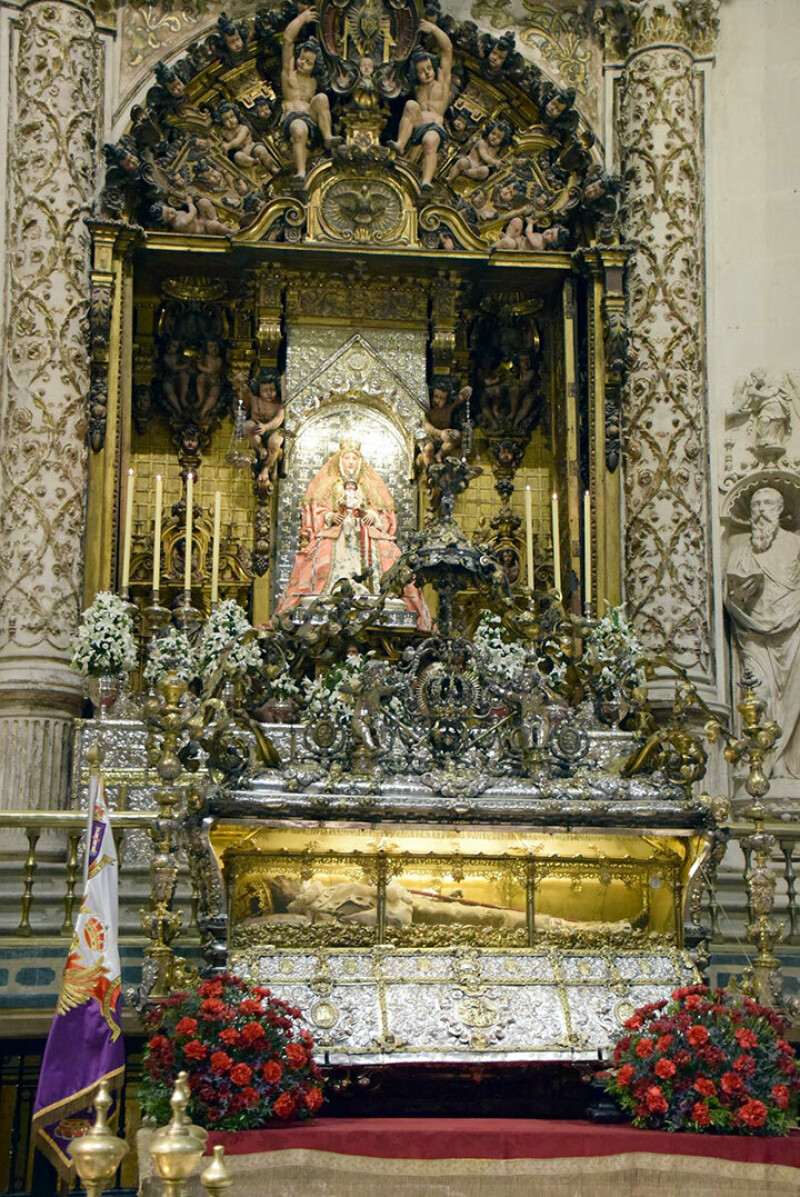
(54, 110)
(668, 575)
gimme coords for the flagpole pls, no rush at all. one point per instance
(84, 1047)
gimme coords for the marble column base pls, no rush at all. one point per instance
(38, 701)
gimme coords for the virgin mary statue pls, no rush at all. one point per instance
(348, 529)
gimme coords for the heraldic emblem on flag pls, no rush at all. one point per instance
(85, 1044)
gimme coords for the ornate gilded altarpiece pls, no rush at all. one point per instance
(372, 223)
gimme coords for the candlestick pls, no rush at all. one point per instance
(215, 550)
(556, 543)
(529, 536)
(187, 562)
(587, 552)
(126, 537)
(157, 536)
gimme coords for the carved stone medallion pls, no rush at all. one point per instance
(362, 210)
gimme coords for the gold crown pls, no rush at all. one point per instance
(349, 443)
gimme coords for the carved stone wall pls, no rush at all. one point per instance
(666, 477)
(55, 102)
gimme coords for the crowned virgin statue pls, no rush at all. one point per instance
(348, 529)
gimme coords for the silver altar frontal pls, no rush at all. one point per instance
(411, 923)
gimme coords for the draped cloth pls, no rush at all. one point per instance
(85, 1044)
(328, 550)
(503, 1157)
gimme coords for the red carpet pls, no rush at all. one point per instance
(499, 1139)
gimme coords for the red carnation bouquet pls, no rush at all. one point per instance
(707, 1061)
(246, 1057)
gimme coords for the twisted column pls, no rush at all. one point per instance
(54, 104)
(668, 575)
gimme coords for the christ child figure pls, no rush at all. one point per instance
(351, 509)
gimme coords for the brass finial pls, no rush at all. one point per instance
(176, 1148)
(216, 1177)
(95, 755)
(97, 1154)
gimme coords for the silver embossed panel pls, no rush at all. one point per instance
(465, 1004)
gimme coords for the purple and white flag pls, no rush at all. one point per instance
(85, 1044)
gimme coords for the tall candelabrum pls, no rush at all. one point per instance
(762, 979)
(163, 970)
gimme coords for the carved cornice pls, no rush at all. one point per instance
(343, 298)
(690, 23)
(627, 26)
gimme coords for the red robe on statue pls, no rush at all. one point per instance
(348, 527)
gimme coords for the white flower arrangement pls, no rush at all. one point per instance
(105, 643)
(284, 688)
(504, 657)
(612, 648)
(170, 653)
(324, 695)
(221, 638)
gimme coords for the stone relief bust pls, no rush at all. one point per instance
(762, 596)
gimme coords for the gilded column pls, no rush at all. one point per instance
(667, 565)
(54, 108)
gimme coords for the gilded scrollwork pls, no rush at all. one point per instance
(236, 138)
(51, 185)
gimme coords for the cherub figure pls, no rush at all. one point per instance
(422, 122)
(443, 438)
(230, 40)
(173, 376)
(497, 55)
(240, 144)
(210, 377)
(263, 428)
(462, 125)
(180, 193)
(169, 97)
(521, 235)
(522, 392)
(306, 110)
(213, 182)
(483, 156)
(260, 115)
(125, 155)
(557, 111)
(365, 92)
(188, 219)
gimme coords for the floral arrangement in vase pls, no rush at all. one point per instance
(283, 700)
(611, 655)
(707, 1060)
(221, 644)
(105, 642)
(247, 1059)
(326, 695)
(170, 653)
(503, 656)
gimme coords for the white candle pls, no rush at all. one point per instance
(126, 535)
(215, 548)
(587, 551)
(529, 536)
(157, 535)
(556, 543)
(187, 564)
